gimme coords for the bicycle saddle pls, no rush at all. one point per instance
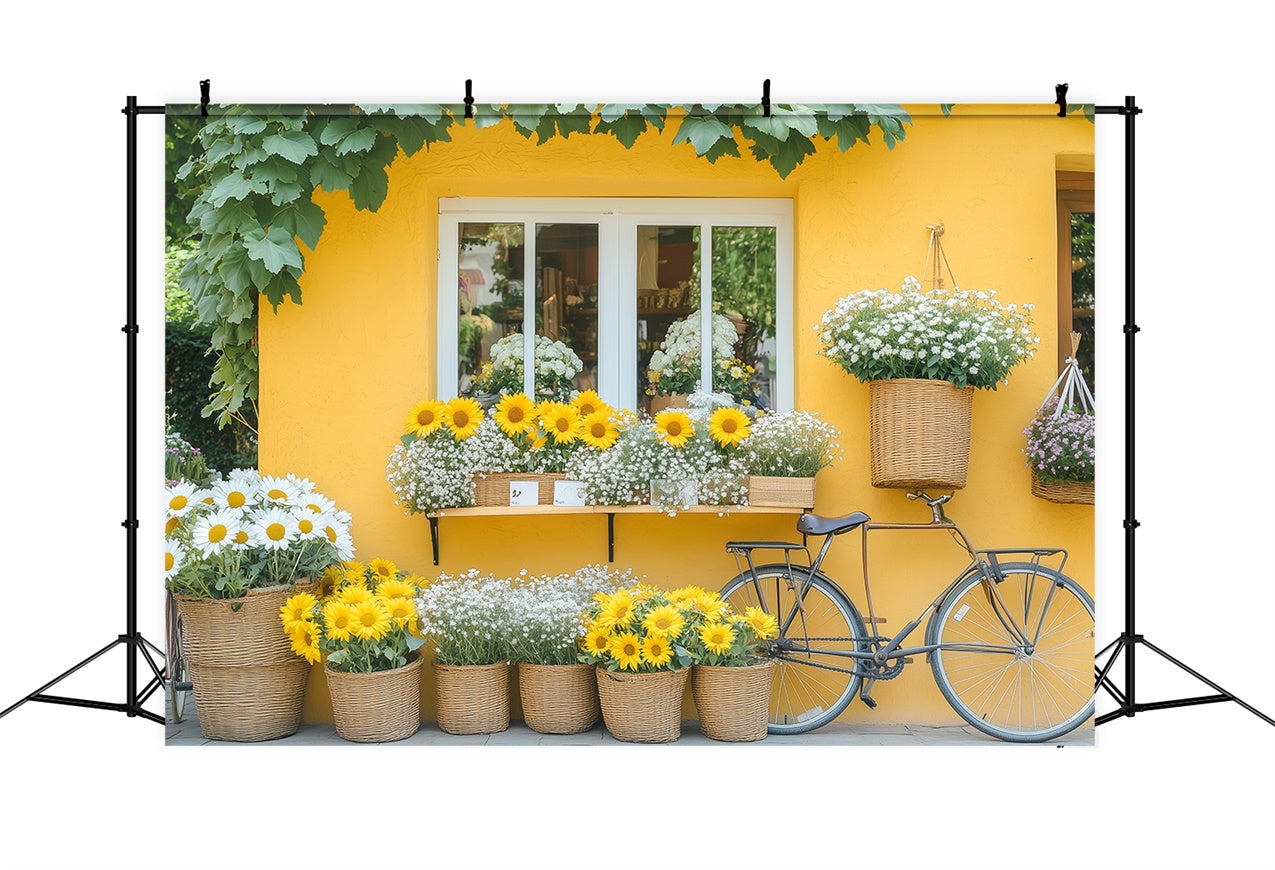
(812, 524)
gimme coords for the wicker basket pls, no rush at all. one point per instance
(642, 708)
(733, 702)
(919, 433)
(248, 683)
(1062, 491)
(797, 492)
(473, 699)
(379, 707)
(558, 699)
(492, 490)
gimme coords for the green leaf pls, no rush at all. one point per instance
(327, 175)
(245, 125)
(233, 185)
(408, 439)
(702, 132)
(626, 128)
(527, 117)
(947, 109)
(414, 642)
(275, 249)
(338, 656)
(302, 218)
(233, 270)
(223, 148)
(369, 188)
(360, 140)
(337, 129)
(294, 145)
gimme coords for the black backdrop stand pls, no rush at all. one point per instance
(1129, 640)
(135, 645)
(1127, 643)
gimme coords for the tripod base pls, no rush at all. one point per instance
(133, 706)
(1127, 643)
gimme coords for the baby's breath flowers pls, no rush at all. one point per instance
(790, 444)
(967, 337)
(467, 618)
(546, 624)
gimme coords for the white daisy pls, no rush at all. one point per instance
(338, 535)
(247, 478)
(229, 494)
(316, 502)
(274, 528)
(215, 532)
(182, 497)
(300, 485)
(174, 555)
(276, 490)
(309, 525)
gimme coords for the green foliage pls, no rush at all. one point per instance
(249, 173)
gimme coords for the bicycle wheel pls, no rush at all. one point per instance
(812, 683)
(174, 661)
(1018, 665)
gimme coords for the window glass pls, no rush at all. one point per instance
(490, 301)
(566, 308)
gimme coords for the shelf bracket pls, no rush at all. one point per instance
(610, 537)
(433, 536)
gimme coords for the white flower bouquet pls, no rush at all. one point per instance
(467, 618)
(556, 367)
(547, 612)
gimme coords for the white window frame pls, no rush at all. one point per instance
(617, 219)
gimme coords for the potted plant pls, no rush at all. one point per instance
(364, 630)
(559, 693)
(639, 639)
(731, 678)
(1060, 453)
(467, 619)
(922, 355)
(236, 552)
(782, 454)
(430, 470)
(674, 369)
(556, 367)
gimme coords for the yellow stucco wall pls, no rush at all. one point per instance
(339, 372)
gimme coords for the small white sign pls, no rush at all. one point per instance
(524, 492)
(568, 493)
(674, 493)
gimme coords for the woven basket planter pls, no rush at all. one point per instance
(1062, 491)
(492, 490)
(796, 492)
(733, 702)
(379, 707)
(676, 400)
(558, 699)
(248, 683)
(642, 708)
(919, 433)
(473, 699)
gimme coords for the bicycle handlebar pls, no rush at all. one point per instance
(936, 504)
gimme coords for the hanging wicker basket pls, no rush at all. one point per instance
(492, 490)
(733, 702)
(473, 699)
(919, 433)
(558, 699)
(1063, 491)
(795, 492)
(248, 683)
(379, 707)
(642, 708)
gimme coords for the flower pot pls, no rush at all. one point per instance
(675, 400)
(919, 433)
(1063, 491)
(248, 683)
(473, 699)
(796, 492)
(558, 699)
(733, 702)
(642, 708)
(379, 707)
(492, 490)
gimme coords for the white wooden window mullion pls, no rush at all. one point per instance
(447, 381)
(529, 308)
(706, 307)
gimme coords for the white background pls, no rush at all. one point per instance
(1179, 788)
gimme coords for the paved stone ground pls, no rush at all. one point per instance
(187, 733)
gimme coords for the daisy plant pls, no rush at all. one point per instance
(733, 639)
(467, 618)
(643, 629)
(547, 612)
(250, 531)
(365, 620)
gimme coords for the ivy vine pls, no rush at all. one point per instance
(256, 167)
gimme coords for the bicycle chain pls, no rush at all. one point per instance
(888, 672)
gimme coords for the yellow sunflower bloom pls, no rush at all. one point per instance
(382, 568)
(681, 593)
(598, 431)
(297, 609)
(656, 651)
(462, 416)
(617, 610)
(355, 593)
(426, 418)
(560, 421)
(664, 620)
(765, 625)
(395, 588)
(401, 610)
(627, 650)
(305, 641)
(371, 620)
(589, 402)
(338, 619)
(597, 641)
(728, 426)
(712, 605)
(717, 637)
(515, 414)
(674, 427)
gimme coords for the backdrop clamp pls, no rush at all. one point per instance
(469, 106)
(1061, 92)
(765, 98)
(204, 86)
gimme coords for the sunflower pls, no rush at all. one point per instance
(627, 650)
(396, 588)
(713, 607)
(338, 619)
(664, 620)
(682, 593)
(656, 650)
(598, 431)
(305, 641)
(515, 414)
(371, 620)
(354, 593)
(401, 610)
(617, 610)
(597, 641)
(728, 426)
(561, 421)
(588, 402)
(426, 418)
(463, 416)
(674, 427)
(297, 609)
(717, 637)
(382, 568)
(763, 623)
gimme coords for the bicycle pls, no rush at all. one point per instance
(176, 679)
(1010, 643)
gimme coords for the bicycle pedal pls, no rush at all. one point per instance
(867, 699)
(906, 660)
